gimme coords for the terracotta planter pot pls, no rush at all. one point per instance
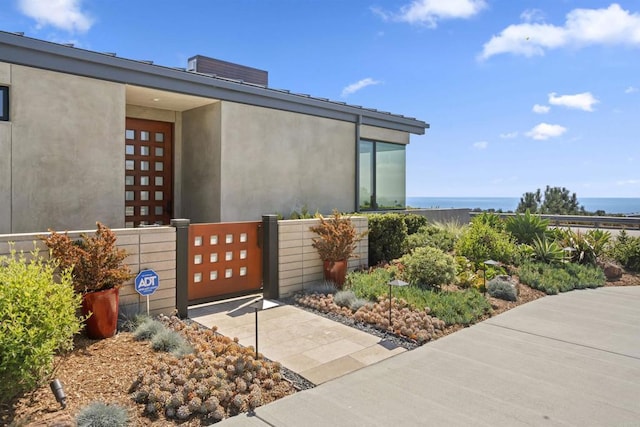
(335, 271)
(104, 308)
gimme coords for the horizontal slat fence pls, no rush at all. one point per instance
(299, 263)
(148, 248)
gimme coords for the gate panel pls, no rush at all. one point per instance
(224, 259)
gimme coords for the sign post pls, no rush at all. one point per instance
(147, 282)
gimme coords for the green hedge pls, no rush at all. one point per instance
(387, 233)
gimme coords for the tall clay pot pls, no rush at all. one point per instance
(103, 306)
(335, 271)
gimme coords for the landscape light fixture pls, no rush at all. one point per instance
(484, 276)
(397, 283)
(259, 305)
(58, 392)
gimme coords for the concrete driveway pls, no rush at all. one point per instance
(570, 359)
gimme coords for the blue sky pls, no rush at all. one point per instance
(519, 94)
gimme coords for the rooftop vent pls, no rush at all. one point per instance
(229, 70)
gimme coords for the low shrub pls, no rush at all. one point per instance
(481, 242)
(325, 287)
(147, 329)
(461, 307)
(626, 251)
(431, 236)
(37, 319)
(344, 298)
(429, 267)
(552, 279)
(171, 342)
(387, 233)
(466, 275)
(503, 288)
(99, 414)
(454, 308)
(369, 284)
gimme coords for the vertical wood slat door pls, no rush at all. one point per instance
(148, 172)
(224, 259)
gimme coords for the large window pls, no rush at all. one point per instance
(4, 103)
(381, 175)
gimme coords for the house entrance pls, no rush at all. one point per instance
(148, 195)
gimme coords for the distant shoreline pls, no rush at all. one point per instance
(610, 205)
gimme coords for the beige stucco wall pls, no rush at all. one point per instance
(67, 156)
(5, 158)
(201, 161)
(277, 162)
(384, 135)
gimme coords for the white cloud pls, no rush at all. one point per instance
(480, 145)
(582, 27)
(580, 101)
(429, 12)
(545, 131)
(354, 87)
(508, 135)
(541, 109)
(631, 89)
(64, 14)
(629, 182)
(532, 15)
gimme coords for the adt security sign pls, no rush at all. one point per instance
(147, 282)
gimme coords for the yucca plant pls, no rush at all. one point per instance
(526, 227)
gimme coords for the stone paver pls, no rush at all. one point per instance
(317, 348)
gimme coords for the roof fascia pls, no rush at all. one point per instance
(51, 56)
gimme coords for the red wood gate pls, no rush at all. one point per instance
(225, 259)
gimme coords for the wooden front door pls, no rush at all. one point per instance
(148, 195)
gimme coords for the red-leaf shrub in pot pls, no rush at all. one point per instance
(336, 242)
(98, 271)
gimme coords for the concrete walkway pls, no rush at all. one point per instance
(571, 359)
(317, 348)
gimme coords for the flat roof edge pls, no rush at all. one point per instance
(51, 56)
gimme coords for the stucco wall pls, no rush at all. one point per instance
(385, 135)
(201, 162)
(277, 162)
(5, 158)
(67, 155)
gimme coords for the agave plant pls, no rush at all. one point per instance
(546, 250)
(526, 227)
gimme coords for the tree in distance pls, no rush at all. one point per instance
(555, 201)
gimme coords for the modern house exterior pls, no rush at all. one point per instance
(88, 136)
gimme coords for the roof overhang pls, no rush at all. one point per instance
(36, 53)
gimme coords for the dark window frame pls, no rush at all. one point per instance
(4, 100)
(374, 205)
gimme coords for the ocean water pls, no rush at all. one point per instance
(611, 205)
